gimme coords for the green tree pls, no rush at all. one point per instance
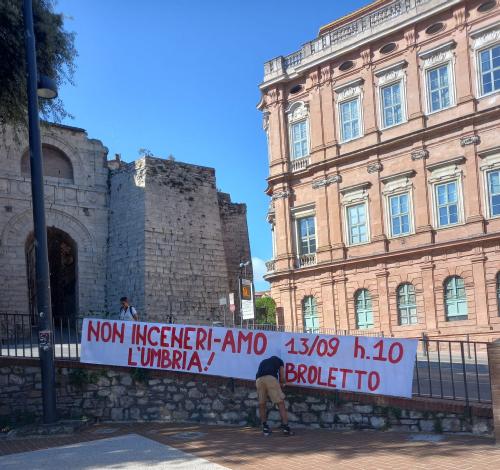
(265, 310)
(55, 58)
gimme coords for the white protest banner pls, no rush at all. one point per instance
(381, 366)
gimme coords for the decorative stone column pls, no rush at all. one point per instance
(429, 295)
(494, 365)
(474, 217)
(423, 226)
(343, 311)
(324, 213)
(480, 291)
(283, 230)
(383, 302)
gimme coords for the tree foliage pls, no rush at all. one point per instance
(55, 58)
(265, 310)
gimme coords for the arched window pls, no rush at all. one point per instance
(498, 292)
(407, 304)
(310, 314)
(55, 164)
(455, 299)
(363, 307)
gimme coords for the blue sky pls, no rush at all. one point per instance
(181, 77)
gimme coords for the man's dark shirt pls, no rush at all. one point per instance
(270, 366)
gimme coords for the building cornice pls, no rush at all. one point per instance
(424, 133)
(387, 257)
(451, 161)
(363, 28)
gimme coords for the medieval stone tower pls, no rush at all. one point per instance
(155, 230)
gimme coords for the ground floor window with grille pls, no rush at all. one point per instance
(455, 299)
(310, 314)
(407, 304)
(363, 309)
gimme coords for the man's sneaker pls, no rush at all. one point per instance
(286, 430)
(266, 430)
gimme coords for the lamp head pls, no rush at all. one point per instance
(46, 88)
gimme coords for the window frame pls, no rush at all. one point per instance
(402, 83)
(298, 112)
(299, 237)
(449, 64)
(363, 202)
(304, 121)
(408, 193)
(365, 292)
(446, 172)
(449, 318)
(479, 75)
(345, 93)
(437, 206)
(490, 214)
(356, 99)
(313, 308)
(407, 305)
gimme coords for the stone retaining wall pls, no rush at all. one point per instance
(121, 394)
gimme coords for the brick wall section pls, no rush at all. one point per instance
(126, 244)
(185, 262)
(236, 241)
(118, 394)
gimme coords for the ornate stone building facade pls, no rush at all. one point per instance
(155, 230)
(384, 154)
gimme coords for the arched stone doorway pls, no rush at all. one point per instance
(62, 250)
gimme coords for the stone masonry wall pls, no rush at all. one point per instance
(236, 241)
(77, 206)
(126, 265)
(185, 263)
(118, 394)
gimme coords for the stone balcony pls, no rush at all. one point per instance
(270, 266)
(351, 34)
(306, 260)
(299, 164)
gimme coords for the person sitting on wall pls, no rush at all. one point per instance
(270, 370)
(127, 312)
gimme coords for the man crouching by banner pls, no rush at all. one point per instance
(270, 370)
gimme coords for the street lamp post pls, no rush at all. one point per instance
(45, 334)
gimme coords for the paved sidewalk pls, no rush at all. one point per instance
(245, 448)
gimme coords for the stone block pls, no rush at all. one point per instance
(451, 424)
(363, 408)
(195, 393)
(126, 380)
(217, 405)
(300, 407)
(426, 425)
(178, 397)
(416, 414)
(309, 418)
(356, 418)
(377, 422)
(327, 417)
(318, 407)
(117, 414)
(343, 418)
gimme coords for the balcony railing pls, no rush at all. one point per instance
(270, 266)
(352, 32)
(299, 164)
(307, 260)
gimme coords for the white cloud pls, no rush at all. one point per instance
(259, 269)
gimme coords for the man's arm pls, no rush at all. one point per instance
(133, 311)
(282, 376)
